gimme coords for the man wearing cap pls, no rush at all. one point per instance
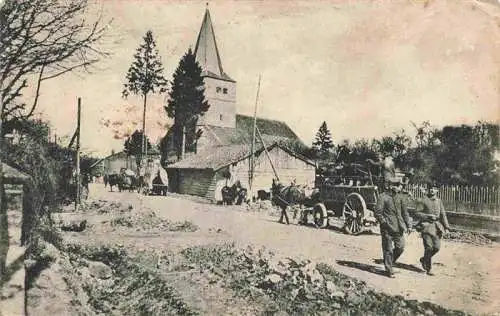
(386, 169)
(392, 214)
(433, 224)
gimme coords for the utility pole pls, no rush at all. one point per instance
(2, 197)
(252, 149)
(77, 200)
(183, 145)
(144, 145)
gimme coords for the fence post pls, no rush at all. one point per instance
(455, 189)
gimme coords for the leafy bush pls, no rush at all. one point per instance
(133, 290)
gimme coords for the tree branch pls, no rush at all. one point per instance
(37, 94)
(48, 37)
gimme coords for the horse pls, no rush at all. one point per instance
(262, 195)
(113, 180)
(284, 197)
(234, 194)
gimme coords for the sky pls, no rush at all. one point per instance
(367, 68)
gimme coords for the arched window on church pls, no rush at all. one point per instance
(221, 117)
(218, 89)
(224, 90)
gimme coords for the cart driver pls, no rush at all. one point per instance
(387, 169)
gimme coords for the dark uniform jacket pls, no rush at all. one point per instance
(437, 222)
(392, 213)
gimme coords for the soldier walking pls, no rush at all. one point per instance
(392, 214)
(433, 224)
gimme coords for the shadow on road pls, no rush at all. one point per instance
(11, 270)
(409, 267)
(361, 266)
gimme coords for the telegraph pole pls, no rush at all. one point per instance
(252, 148)
(77, 200)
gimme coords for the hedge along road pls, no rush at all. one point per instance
(467, 276)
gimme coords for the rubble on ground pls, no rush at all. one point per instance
(102, 281)
(118, 216)
(259, 206)
(468, 237)
(149, 221)
(299, 287)
(73, 225)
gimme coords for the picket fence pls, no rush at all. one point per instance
(468, 199)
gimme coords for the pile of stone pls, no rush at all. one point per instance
(298, 287)
(468, 237)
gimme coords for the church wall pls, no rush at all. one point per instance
(222, 111)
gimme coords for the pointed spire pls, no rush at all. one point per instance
(206, 51)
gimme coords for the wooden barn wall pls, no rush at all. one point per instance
(287, 166)
(196, 182)
(114, 164)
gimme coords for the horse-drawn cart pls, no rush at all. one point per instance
(349, 193)
(354, 204)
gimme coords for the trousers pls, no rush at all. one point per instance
(432, 245)
(393, 245)
(284, 214)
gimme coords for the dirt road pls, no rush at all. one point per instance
(467, 276)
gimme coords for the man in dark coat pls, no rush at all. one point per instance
(392, 214)
(433, 224)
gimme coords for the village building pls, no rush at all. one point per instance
(113, 163)
(205, 174)
(223, 151)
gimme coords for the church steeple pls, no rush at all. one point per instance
(206, 51)
(220, 89)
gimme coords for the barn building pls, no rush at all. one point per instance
(224, 145)
(205, 174)
(116, 161)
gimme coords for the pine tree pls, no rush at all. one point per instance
(186, 103)
(323, 142)
(133, 145)
(145, 76)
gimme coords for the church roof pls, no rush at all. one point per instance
(271, 130)
(207, 53)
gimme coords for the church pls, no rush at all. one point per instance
(224, 146)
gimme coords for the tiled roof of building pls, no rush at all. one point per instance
(266, 126)
(218, 157)
(13, 175)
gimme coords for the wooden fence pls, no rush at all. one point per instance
(467, 199)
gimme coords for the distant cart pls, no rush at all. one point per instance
(349, 193)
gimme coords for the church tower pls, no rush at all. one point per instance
(220, 89)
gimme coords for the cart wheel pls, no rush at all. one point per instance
(354, 211)
(320, 215)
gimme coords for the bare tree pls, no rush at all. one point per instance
(41, 39)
